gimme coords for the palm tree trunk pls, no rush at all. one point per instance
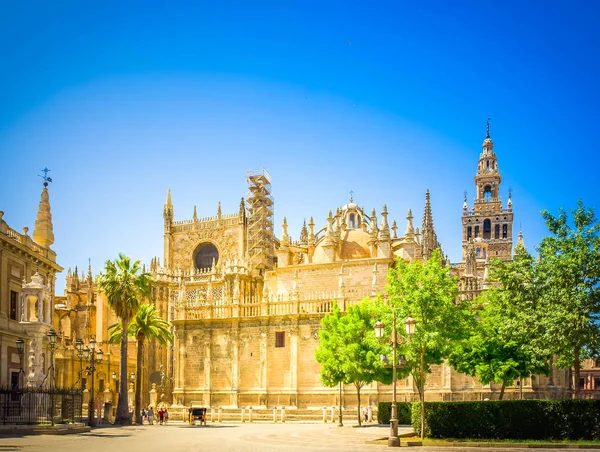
(122, 417)
(138, 381)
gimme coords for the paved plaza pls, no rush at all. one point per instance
(223, 437)
(213, 437)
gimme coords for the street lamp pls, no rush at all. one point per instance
(20, 352)
(52, 345)
(93, 357)
(114, 377)
(394, 440)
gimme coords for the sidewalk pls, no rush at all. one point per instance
(58, 429)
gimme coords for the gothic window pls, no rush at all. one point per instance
(487, 228)
(358, 221)
(352, 221)
(469, 232)
(477, 252)
(280, 339)
(497, 231)
(476, 231)
(504, 231)
(204, 255)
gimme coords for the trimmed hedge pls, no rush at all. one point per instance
(511, 419)
(384, 412)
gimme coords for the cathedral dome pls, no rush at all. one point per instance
(354, 245)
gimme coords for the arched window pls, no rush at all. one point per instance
(204, 255)
(476, 231)
(477, 252)
(504, 231)
(469, 232)
(487, 228)
(487, 192)
(497, 231)
(352, 221)
(358, 221)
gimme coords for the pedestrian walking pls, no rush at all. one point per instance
(144, 415)
(366, 414)
(166, 416)
(161, 416)
(151, 416)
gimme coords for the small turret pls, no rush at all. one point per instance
(520, 241)
(168, 210)
(311, 231)
(385, 228)
(242, 209)
(194, 216)
(409, 234)
(285, 238)
(219, 213)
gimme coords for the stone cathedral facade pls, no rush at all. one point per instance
(246, 306)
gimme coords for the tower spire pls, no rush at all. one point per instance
(43, 233)
(487, 128)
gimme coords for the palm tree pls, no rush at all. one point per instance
(125, 286)
(145, 326)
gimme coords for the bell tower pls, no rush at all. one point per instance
(488, 226)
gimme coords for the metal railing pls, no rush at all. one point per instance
(40, 406)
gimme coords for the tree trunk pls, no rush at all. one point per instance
(138, 381)
(502, 388)
(576, 373)
(122, 417)
(358, 394)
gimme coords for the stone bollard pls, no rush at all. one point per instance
(332, 414)
(282, 414)
(220, 415)
(324, 410)
(249, 414)
(275, 414)
(212, 414)
(243, 416)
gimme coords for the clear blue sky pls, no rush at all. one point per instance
(387, 99)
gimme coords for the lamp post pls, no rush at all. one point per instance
(92, 357)
(114, 378)
(394, 440)
(79, 345)
(52, 345)
(20, 352)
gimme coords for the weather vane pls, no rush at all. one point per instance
(465, 193)
(45, 176)
(510, 192)
(487, 128)
(351, 193)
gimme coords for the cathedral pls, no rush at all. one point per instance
(246, 305)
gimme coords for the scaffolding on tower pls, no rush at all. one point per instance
(260, 234)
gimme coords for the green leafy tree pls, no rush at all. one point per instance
(508, 342)
(145, 326)
(426, 292)
(125, 286)
(570, 270)
(348, 350)
(328, 353)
